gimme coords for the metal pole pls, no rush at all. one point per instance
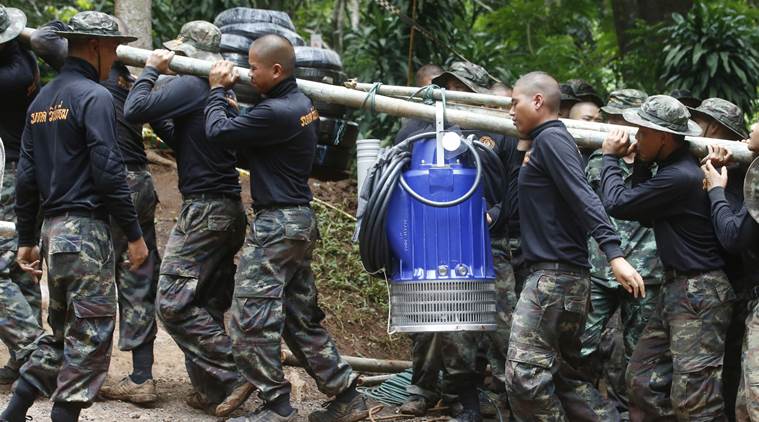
(588, 135)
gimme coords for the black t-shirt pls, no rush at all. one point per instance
(277, 136)
(203, 166)
(19, 83)
(69, 159)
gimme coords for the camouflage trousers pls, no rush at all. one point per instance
(497, 342)
(275, 299)
(543, 377)
(195, 289)
(747, 404)
(453, 353)
(71, 364)
(676, 369)
(137, 289)
(20, 296)
(457, 354)
(599, 339)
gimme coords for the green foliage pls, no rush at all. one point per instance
(337, 262)
(712, 52)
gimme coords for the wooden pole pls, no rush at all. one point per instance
(380, 366)
(588, 135)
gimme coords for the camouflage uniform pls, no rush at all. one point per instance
(80, 274)
(675, 370)
(607, 296)
(506, 301)
(195, 289)
(137, 290)
(275, 299)
(544, 351)
(747, 405)
(20, 296)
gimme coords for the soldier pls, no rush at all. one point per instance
(568, 100)
(455, 353)
(639, 247)
(557, 211)
(71, 167)
(585, 92)
(425, 74)
(20, 298)
(719, 119)
(675, 370)
(136, 290)
(275, 294)
(501, 89)
(197, 272)
(722, 119)
(587, 111)
(738, 233)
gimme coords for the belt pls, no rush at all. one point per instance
(137, 167)
(96, 215)
(211, 196)
(258, 209)
(671, 273)
(557, 266)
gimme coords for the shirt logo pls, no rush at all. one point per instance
(488, 141)
(309, 117)
(53, 114)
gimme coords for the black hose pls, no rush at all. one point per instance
(374, 246)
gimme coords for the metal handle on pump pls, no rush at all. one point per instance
(469, 142)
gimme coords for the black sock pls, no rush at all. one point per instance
(65, 412)
(142, 362)
(22, 399)
(281, 405)
(349, 393)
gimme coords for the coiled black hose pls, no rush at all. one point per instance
(373, 243)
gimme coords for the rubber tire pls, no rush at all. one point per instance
(329, 110)
(326, 76)
(237, 58)
(246, 94)
(322, 58)
(231, 43)
(248, 15)
(256, 30)
(331, 163)
(328, 128)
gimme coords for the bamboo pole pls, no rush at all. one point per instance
(358, 364)
(457, 96)
(588, 135)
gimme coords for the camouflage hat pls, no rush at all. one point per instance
(663, 113)
(94, 25)
(567, 93)
(12, 22)
(622, 99)
(585, 92)
(473, 76)
(724, 112)
(686, 97)
(197, 39)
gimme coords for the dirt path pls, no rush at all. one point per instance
(354, 334)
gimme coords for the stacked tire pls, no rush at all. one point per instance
(240, 26)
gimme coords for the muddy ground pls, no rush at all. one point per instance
(360, 335)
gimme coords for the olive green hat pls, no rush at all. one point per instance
(724, 112)
(622, 99)
(12, 22)
(663, 113)
(92, 24)
(473, 76)
(197, 39)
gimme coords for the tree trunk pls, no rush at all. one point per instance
(354, 9)
(626, 12)
(137, 17)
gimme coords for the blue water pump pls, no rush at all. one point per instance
(437, 254)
